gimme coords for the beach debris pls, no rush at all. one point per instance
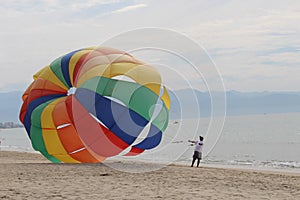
(105, 174)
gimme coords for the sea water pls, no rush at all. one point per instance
(15, 139)
(269, 141)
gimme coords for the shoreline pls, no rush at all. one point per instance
(110, 162)
(290, 171)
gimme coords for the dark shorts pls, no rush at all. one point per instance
(197, 155)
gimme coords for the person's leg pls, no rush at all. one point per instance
(198, 162)
(193, 161)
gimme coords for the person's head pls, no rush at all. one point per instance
(201, 138)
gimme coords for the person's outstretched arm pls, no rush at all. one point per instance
(192, 141)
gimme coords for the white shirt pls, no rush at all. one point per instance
(199, 145)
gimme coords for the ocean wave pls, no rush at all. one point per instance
(16, 148)
(254, 163)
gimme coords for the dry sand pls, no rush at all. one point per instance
(30, 176)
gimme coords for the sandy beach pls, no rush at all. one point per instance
(30, 176)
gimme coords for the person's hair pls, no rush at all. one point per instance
(201, 138)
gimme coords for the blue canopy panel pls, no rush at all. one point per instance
(123, 122)
(65, 60)
(152, 140)
(33, 104)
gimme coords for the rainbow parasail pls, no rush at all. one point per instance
(95, 103)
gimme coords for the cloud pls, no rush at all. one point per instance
(130, 8)
(257, 38)
(288, 59)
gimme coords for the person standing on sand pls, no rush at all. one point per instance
(198, 150)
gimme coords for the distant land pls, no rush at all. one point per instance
(5, 125)
(238, 103)
(241, 103)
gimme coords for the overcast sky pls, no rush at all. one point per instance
(255, 44)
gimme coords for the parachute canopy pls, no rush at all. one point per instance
(93, 103)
